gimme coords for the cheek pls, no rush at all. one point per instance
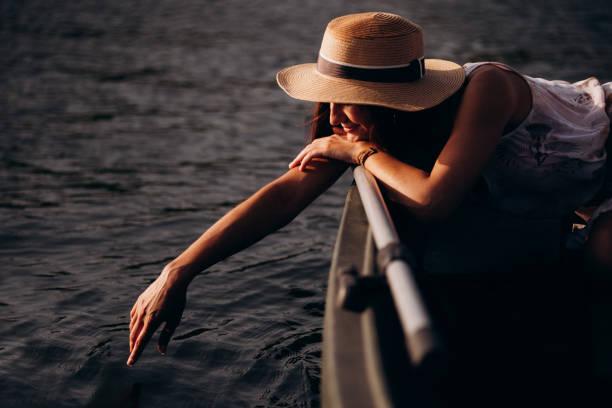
(359, 117)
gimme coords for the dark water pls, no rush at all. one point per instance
(128, 127)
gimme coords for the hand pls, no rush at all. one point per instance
(162, 301)
(331, 147)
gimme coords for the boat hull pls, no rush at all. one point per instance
(509, 306)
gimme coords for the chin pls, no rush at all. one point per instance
(356, 138)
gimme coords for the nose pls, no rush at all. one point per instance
(336, 114)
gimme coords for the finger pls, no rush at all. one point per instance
(306, 160)
(132, 322)
(137, 332)
(294, 163)
(133, 311)
(144, 337)
(298, 158)
(136, 327)
(165, 336)
(130, 337)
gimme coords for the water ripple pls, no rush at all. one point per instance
(128, 127)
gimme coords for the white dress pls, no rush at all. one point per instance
(555, 161)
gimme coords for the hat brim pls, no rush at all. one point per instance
(442, 79)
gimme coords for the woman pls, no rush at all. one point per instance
(539, 145)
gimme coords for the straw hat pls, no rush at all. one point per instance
(373, 59)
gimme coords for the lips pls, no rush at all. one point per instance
(338, 130)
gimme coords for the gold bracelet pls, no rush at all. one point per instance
(363, 156)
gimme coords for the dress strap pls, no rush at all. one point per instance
(471, 66)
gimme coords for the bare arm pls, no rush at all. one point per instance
(267, 210)
(489, 103)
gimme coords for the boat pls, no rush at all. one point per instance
(507, 306)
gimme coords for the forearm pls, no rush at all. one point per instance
(269, 209)
(236, 230)
(403, 183)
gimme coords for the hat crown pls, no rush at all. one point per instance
(372, 39)
(373, 59)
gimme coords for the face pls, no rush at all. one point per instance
(352, 121)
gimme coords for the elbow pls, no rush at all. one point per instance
(432, 214)
(428, 209)
(438, 211)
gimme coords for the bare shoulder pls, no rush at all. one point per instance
(489, 77)
(493, 71)
(501, 89)
(496, 94)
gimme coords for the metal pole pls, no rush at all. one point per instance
(411, 310)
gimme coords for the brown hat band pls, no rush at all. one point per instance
(412, 71)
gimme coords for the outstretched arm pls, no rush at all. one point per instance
(269, 209)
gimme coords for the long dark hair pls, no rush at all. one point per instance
(414, 137)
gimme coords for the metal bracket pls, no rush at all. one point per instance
(354, 291)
